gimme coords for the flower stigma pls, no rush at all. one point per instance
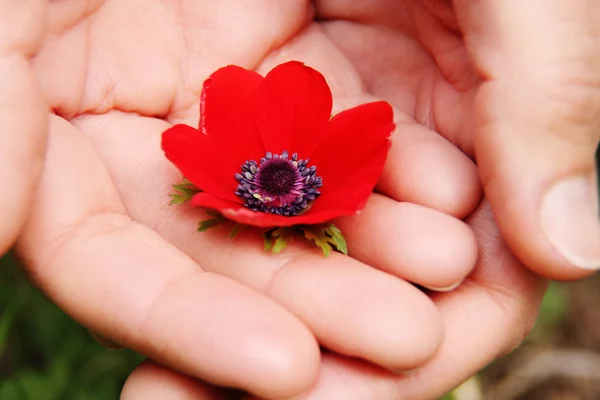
(278, 184)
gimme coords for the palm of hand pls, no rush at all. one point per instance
(120, 73)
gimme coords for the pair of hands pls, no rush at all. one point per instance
(88, 200)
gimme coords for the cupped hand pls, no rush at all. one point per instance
(484, 318)
(103, 244)
(513, 85)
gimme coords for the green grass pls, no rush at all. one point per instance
(44, 355)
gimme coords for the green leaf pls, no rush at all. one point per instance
(183, 192)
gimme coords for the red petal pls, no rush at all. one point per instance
(242, 215)
(227, 113)
(351, 156)
(357, 191)
(201, 161)
(293, 106)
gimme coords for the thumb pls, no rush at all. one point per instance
(538, 126)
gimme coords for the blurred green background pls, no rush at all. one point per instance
(44, 355)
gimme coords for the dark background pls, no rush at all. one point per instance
(44, 355)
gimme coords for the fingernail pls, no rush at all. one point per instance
(571, 221)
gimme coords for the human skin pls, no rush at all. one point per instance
(102, 243)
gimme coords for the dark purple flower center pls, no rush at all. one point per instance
(278, 184)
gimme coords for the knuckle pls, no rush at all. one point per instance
(523, 312)
(571, 98)
(22, 27)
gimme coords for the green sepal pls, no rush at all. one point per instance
(236, 230)
(268, 245)
(325, 237)
(183, 192)
(276, 239)
(339, 241)
(217, 219)
(280, 244)
(268, 239)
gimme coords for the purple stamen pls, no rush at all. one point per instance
(278, 184)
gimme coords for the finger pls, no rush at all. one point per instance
(151, 381)
(108, 69)
(538, 126)
(484, 318)
(424, 168)
(333, 296)
(126, 283)
(421, 245)
(23, 114)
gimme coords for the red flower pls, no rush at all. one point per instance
(267, 152)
